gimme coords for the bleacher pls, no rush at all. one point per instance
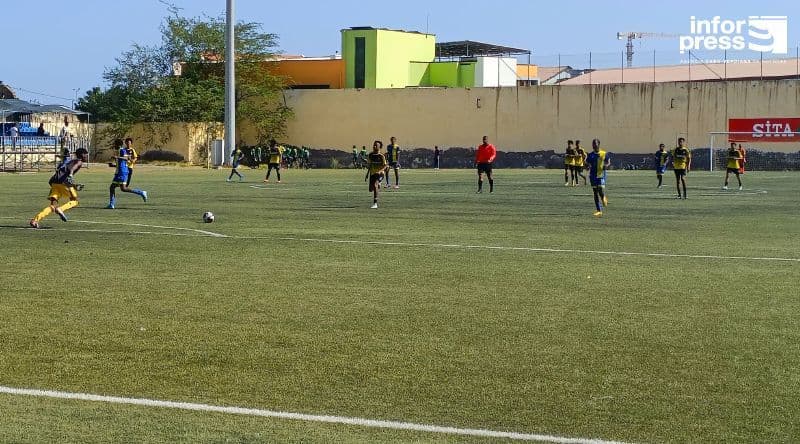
(27, 135)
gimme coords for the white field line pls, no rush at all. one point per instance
(203, 233)
(331, 419)
(529, 249)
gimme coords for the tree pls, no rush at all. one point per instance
(144, 85)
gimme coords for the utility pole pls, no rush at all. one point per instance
(230, 78)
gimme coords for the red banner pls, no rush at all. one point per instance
(767, 129)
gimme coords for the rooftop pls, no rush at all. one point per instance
(469, 48)
(746, 70)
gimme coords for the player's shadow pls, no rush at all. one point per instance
(23, 226)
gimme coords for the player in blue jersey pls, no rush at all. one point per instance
(598, 161)
(662, 159)
(393, 158)
(120, 179)
(236, 158)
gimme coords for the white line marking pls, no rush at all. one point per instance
(363, 422)
(529, 249)
(202, 233)
(207, 233)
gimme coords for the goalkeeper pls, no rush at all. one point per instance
(62, 184)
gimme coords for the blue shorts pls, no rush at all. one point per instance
(598, 181)
(120, 178)
(661, 170)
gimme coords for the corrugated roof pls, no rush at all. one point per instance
(469, 48)
(12, 106)
(770, 69)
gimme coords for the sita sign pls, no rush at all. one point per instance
(768, 129)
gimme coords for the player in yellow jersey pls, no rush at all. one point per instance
(734, 163)
(376, 166)
(569, 164)
(275, 153)
(580, 162)
(681, 164)
(62, 184)
(133, 157)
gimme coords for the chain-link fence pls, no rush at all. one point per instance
(643, 66)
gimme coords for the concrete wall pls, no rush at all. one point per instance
(629, 118)
(187, 139)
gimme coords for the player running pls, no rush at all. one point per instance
(376, 164)
(236, 158)
(598, 161)
(275, 153)
(483, 160)
(393, 157)
(62, 184)
(681, 164)
(580, 162)
(121, 177)
(662, 158)
(355, 157)
(734, 163)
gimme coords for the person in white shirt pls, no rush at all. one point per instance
(64, 136)
(14, 135)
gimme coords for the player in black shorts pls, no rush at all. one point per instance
(376, 164)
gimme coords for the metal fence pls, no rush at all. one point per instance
(20, 154)
(656, 66)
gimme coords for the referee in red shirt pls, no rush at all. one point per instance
(483, 159)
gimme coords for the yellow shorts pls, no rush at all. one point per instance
(57, 191)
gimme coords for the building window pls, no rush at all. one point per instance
(361, 62)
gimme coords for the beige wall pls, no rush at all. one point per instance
(629, 118)
(188, 139)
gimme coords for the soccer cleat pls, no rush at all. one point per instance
(279, 181)
(566, 184)
(374, 206)
(266, 180)
(396, 187)
(33, 223)
(228, 179)
(598, 214)
(479, 192)
(724, 187)
(110, 207)
(659, 186)
(740, 188)
(61, 214)
(144, 196)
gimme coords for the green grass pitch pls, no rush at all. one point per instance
(412, 317)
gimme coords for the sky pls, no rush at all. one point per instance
(59, 49)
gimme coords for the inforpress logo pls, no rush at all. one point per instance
(757, 33)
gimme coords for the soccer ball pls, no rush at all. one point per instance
(208, 217)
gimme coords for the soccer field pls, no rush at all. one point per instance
(664, 321)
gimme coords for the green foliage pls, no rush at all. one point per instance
(143, 87)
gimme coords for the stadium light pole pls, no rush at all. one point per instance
(230, 79)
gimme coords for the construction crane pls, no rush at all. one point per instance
(640, 35)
